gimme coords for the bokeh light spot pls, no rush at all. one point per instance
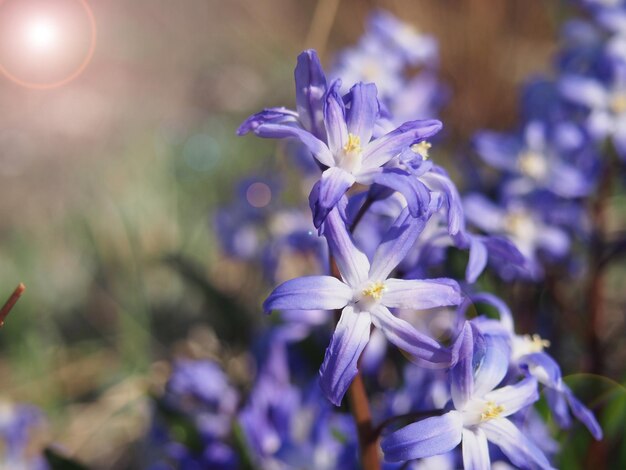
(259, 195)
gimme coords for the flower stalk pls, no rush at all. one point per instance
(10, 303)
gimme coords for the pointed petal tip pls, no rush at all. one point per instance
(245, 127)
(308, 53)
(430, 126)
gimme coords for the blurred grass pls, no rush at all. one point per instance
(136, 255)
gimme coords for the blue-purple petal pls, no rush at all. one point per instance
(515, 445)
(515, 397)
(420, 348)
(493, 365)
(396, 243)
(478, 257)
(333, 185)
(475, 450)
(310, 89)
(335, 120)
(309, 293)
(584, 91)
(283, 131)
(414, 191)
(439, 181)
(558, 407)
(381, 150)
(498, 150)
(431, 436)
(268, 116)
(583, 414)
(462, 374)
(421, 294)
(353, 264)
(363, 112)
(543, 368)
(340, 362)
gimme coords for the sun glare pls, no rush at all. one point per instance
(45, 44)
(41, 34)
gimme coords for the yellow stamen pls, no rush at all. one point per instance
(353, 145)
(537, 342)
(422, 148)
(532, 164)
(375, 290)
(491, 411)
(618, 103)
(371, 71)
(519, 223)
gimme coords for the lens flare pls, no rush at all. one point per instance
(41, 34)
(45, 44)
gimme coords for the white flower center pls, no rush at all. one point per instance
(479, 410)
(618, 102)
(369, 295)
(527, 344)
(533, 164)
(520, 224)
(371, 71)
(407, 34)
(351, 155)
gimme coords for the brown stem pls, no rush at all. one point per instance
(368, 437)
(10, 303)
(594, 293)
(595, 315)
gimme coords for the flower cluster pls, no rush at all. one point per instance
(382, 225)
(572, 134)
(19, 426)
(192, 421)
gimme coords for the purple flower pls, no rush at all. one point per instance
(365, 294)
(523, 224)
(403, 39)
(199, 397)
(420, 97)
(200, 386)
(528, 355)
(370, 61)
(479, 412)
(310, 91)
(18, 425)
(348, 152)
(606, 104)
(446, 228)
(537, 160)
(285, 427)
